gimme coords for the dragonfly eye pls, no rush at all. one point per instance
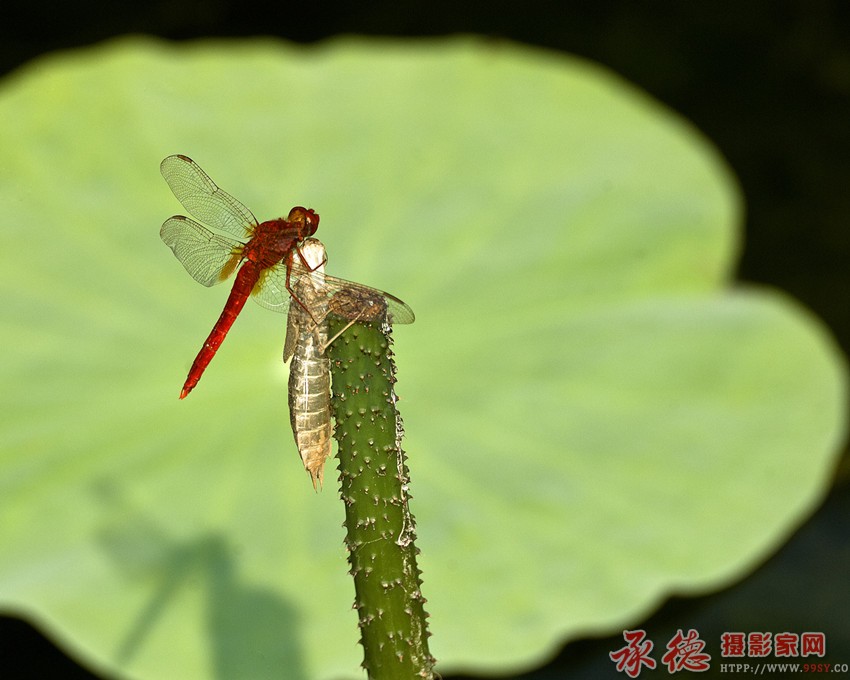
(312, 220)
(308, 219)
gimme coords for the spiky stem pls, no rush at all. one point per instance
(374, 487)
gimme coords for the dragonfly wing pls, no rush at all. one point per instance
(207, 257)
(270, 291)
(398, 312)
(203, 199)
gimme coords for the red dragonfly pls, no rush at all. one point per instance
(268, 252)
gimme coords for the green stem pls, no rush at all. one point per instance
(374, 487)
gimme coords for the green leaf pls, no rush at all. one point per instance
(595, 419)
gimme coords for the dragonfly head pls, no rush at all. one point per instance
(305, 219)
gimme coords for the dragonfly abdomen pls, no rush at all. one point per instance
(242, 287)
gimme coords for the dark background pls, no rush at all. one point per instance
(767, 81)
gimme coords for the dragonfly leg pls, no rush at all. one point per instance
(307, 264)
